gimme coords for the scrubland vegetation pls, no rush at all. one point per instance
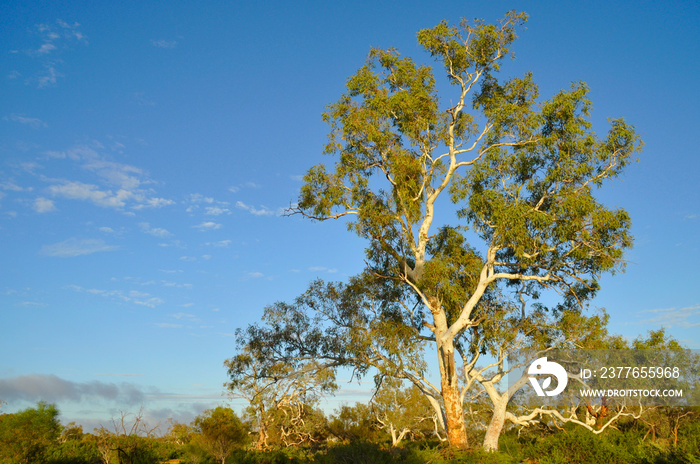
(353, 434)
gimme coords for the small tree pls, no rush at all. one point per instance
(400, 411)
(354, 423)
(27, 436)
(669, 419)
(128, 440)
(279, 392)
(221, 431)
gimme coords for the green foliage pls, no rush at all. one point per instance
(401, 412)
(579, 446)
(220, 432)
(281, 394)
(355, 423)
(26, 437)
(359, 452)
(629, 443)
(75, 448)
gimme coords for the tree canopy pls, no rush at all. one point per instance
(521, 173)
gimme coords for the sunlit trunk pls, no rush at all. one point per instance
(454, 411)
(498, 420)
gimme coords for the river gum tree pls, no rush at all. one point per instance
(521, 171)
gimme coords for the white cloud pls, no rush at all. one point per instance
(162, 43)
(199, 198)
(216, 211)
(43, 205)
(117, 185)
(49, 77)
(9, 185)
(256, 274)
(46, 48)
(263, 211)
(150, 302)
(76, 247)
(674, 317)
(35, 123)
(155, 231)
(237, 188)
(133, 296)
(92, 193)
(208, 226)
(323, 269)
(154, 203)
(55, 39)
(219, 244)
(212, 207)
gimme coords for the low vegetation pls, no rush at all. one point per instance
(353, 434)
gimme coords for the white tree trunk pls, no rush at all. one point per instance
(498, 420)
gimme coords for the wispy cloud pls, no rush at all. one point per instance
(216, 211)
(76, 247)
(162, 43)
(11, 186)
(262, 211)
(237, 188)
(155, 231)
(116, 185)
(323, 269)
(141, 99)
(168, 325)
(686, 317)
(49, 77)
(219, 244)
(43, 205)
(133, 296)
(55, 40)
(208, 226)
(211, 206)
(34, 123)
(92, 193)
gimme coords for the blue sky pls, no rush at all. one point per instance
(147, 151)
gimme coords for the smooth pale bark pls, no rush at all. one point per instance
(498, 420)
